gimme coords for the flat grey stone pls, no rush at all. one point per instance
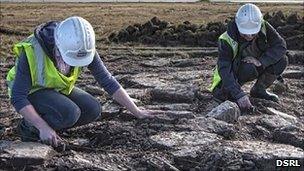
(210, 125)
(273, 121)
(178, 139)
(137, 93)
(258, 150)
(145, 80)
(226, 111)
(83, 161)
(173, 106)
(161, 62)
(177, 94)
(183, 76)
(286, 116)
(290, 135)
(20, 154)
(94, 90)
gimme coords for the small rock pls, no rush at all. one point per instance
(20, 154)
(226, 111)
(293, 74)
(279, 87)
(295, 56)
(94, 90)
(110, 110)
(287, 117)
(80, 142)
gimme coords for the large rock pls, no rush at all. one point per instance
(226, 111)
(20, 154)
(264, 154)
(92, 161)
(235, 155)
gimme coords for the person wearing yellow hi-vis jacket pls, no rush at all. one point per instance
(250, 49)
(42, 83)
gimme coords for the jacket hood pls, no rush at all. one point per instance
(233, 31)
(45, 35)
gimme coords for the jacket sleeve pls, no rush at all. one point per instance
(276, 47)
(22, 84)
(103, 76)
(225, 69)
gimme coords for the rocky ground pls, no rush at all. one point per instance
(174, 80)
(195, 133)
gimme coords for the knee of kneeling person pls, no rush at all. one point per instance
(247, 72)
(279, 67)
(95, 110)
(71, 117)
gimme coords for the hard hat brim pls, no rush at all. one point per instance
(250, 31)
(79, 62)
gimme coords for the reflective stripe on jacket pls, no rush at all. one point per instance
(43, 72)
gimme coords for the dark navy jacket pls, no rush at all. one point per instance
(45, 35)
(274, 48)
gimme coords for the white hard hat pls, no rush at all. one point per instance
(249, 19)
(75, 40)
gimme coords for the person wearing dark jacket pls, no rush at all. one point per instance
(250, 49)
(41, 84)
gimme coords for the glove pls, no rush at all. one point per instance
(244, 103)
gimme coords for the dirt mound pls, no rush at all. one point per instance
(164, 33)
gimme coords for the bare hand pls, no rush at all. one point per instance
(252, 60)
(141, 114)
(49, 136)
(244, 103)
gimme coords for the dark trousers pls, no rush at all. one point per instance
(62, 112)
(249, 72)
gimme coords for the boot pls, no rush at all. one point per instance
(259, 88)
(27, 132)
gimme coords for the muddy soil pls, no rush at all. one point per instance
(175, 79)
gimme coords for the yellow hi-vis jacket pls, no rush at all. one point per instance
(43, 71)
